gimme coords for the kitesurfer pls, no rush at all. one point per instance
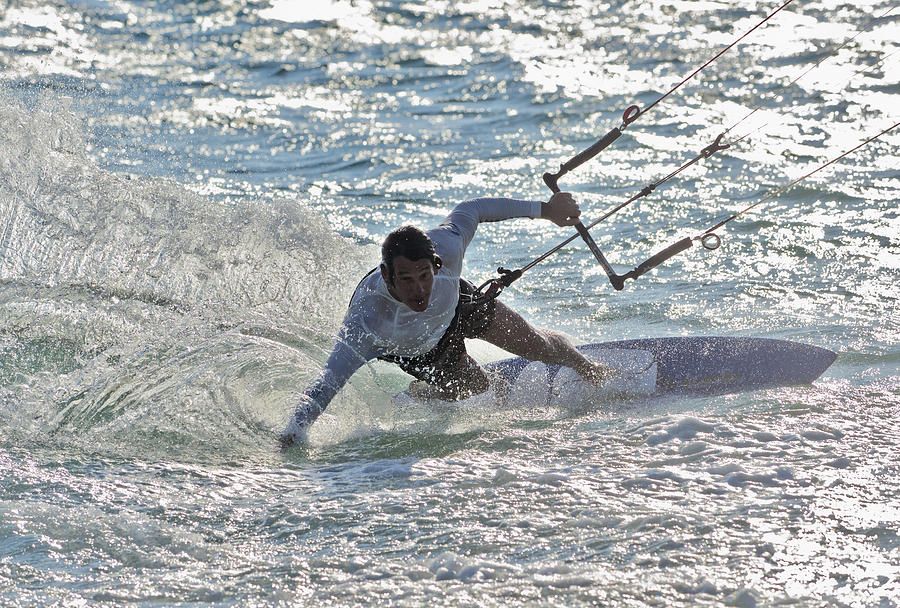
(416, 311)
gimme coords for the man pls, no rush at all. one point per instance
(416, 312)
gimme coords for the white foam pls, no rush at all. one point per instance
(450, 566)
(685, 429)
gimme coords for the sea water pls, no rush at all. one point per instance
(189, 192)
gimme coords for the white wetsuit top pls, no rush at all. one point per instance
(376, 324)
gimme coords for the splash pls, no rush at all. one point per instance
(136, 312)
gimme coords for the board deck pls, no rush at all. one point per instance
(710, 365)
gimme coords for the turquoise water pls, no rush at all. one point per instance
(189, 192)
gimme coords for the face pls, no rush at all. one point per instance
(412, 282)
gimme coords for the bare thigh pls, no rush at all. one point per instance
(514, 334)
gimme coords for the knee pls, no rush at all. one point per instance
(557, 344)
(479, 384)
(463, 380)
(465, 387)
(554, 346)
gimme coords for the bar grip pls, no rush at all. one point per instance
(654, 261)
(582, 157)
(593, 151)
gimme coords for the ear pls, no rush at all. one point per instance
(437, 262)
(384, 274)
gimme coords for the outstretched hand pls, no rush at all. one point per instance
(561, 209)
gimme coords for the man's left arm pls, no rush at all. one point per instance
(561, 209)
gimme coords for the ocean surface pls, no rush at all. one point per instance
(189, 192)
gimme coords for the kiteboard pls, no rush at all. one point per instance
(688, 366)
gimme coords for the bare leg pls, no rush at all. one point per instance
(458, 380)
(514, 334)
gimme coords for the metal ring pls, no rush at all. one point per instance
(710, 241)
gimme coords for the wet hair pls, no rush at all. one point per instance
(411, 243)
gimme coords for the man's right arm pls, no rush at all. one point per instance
(341, 365)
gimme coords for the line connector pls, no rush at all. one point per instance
(714, 147)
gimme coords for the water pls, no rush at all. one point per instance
(189, 192)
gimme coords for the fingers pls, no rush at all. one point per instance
(564, 199)
(570, 220)
(563, 210)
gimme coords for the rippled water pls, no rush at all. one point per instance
(189, 192)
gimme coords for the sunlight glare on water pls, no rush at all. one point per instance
(190, 191)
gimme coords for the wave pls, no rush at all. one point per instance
(147, 312)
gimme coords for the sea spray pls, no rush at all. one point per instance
(142, 308)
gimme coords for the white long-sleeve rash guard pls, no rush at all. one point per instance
(376, 324)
